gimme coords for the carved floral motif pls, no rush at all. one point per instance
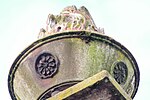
(46, 65)
(120, 72)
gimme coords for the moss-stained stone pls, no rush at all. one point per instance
(78, 60)
(71, 50)
(95, 59)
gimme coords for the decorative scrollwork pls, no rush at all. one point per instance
(120, 72)
(46, 65)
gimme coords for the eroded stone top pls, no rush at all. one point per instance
(69, 19)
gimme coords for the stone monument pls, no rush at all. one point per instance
(73, 60)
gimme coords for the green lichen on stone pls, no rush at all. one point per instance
(95, 57)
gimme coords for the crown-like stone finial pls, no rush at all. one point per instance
(69, 19)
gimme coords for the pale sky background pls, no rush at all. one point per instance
(127, 21)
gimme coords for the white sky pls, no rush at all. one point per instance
(127, 21)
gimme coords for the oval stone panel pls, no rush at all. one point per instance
(70, 57)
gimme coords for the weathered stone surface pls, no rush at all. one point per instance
(70, 19)
(80, 55)
(71, 50)
(100, 86)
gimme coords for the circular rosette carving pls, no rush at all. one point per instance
(46, 65)
(120, 72)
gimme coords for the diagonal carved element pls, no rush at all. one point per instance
(101, 76)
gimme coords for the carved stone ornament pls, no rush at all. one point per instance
(46, 65)
(69, 19)
(70, 50)
(120, 72)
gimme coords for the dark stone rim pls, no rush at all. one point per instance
(73, 34)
